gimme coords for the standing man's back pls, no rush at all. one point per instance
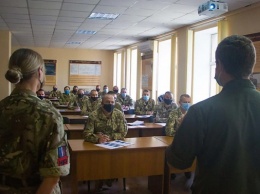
(223, 131)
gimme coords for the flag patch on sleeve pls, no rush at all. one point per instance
(62, 156)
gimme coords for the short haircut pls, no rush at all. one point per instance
(111, 92)
(66, 87)
(237, 55)
(145, 90)
(184, 95)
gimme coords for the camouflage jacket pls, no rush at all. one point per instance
(115, 126)
(90, 105)
(173, 123)
(33, 143)
(54, 94)
(127, 101)
(142, 107)
(77, 102)
(162, 111)
(118, 106)
(66, 98)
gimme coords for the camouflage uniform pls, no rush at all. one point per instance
(118, 106)
(127, 101)
(161, 112)
(77, 102)
(56, 94)
(90, 105)
(115, 126)
(33, 144)
(173, 123)
(66, 98)
(142, 107)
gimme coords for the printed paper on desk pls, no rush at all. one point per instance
(143, 116)
(114, 144)
(136, 123)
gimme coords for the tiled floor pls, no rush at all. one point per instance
(136, 185)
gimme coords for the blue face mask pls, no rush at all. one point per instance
(167, 101)
(123, 95)
(109, 107)
(146, 98)
(185, 106)
(67, 92)
(105, 90)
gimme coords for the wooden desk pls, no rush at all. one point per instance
(144, 158)
(146, 130)
(132, 117)
(69, 112)
(170, 169)
(76, 119)
(60, 106)
(75, 131)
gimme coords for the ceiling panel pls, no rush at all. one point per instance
(53, 23)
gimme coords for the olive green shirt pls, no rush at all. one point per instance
(162, 111)
(66, 98)
(223, 133)
(115, 126)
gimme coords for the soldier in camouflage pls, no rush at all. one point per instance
(41, 94)
(177, 115)
(117, 104)
(66, 97)
(125, 100)
(78, 101)
(145, 105)
(105, 123)
(33, 145)
(55, 93)
(91, 104)
(163, 109)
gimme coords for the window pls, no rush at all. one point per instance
(117, 69)
(164, 66)
(204, 84)
(133, 73)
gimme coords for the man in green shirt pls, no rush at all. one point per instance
(223, 132)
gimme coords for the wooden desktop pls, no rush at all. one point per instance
(144, 158)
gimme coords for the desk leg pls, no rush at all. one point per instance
(155, 184)
(73, 171)
(167, 179)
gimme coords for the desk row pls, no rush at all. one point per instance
(75, 131)
(79, 119)
(144, 157)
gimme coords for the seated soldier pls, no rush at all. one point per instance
(74, 90)
(92, 103)
(41, 94)
(105, 124)
(175, 119)
(125, 100)
(115, 90)
(145, 105)
(105, 91)
(66, 97)
(117, 104)
(163, 109)
(78, 101)
(55, 93)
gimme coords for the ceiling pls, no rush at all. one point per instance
(53, 23)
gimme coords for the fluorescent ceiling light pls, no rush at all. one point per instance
(86, 32)
(73, 42)
(103, 16)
